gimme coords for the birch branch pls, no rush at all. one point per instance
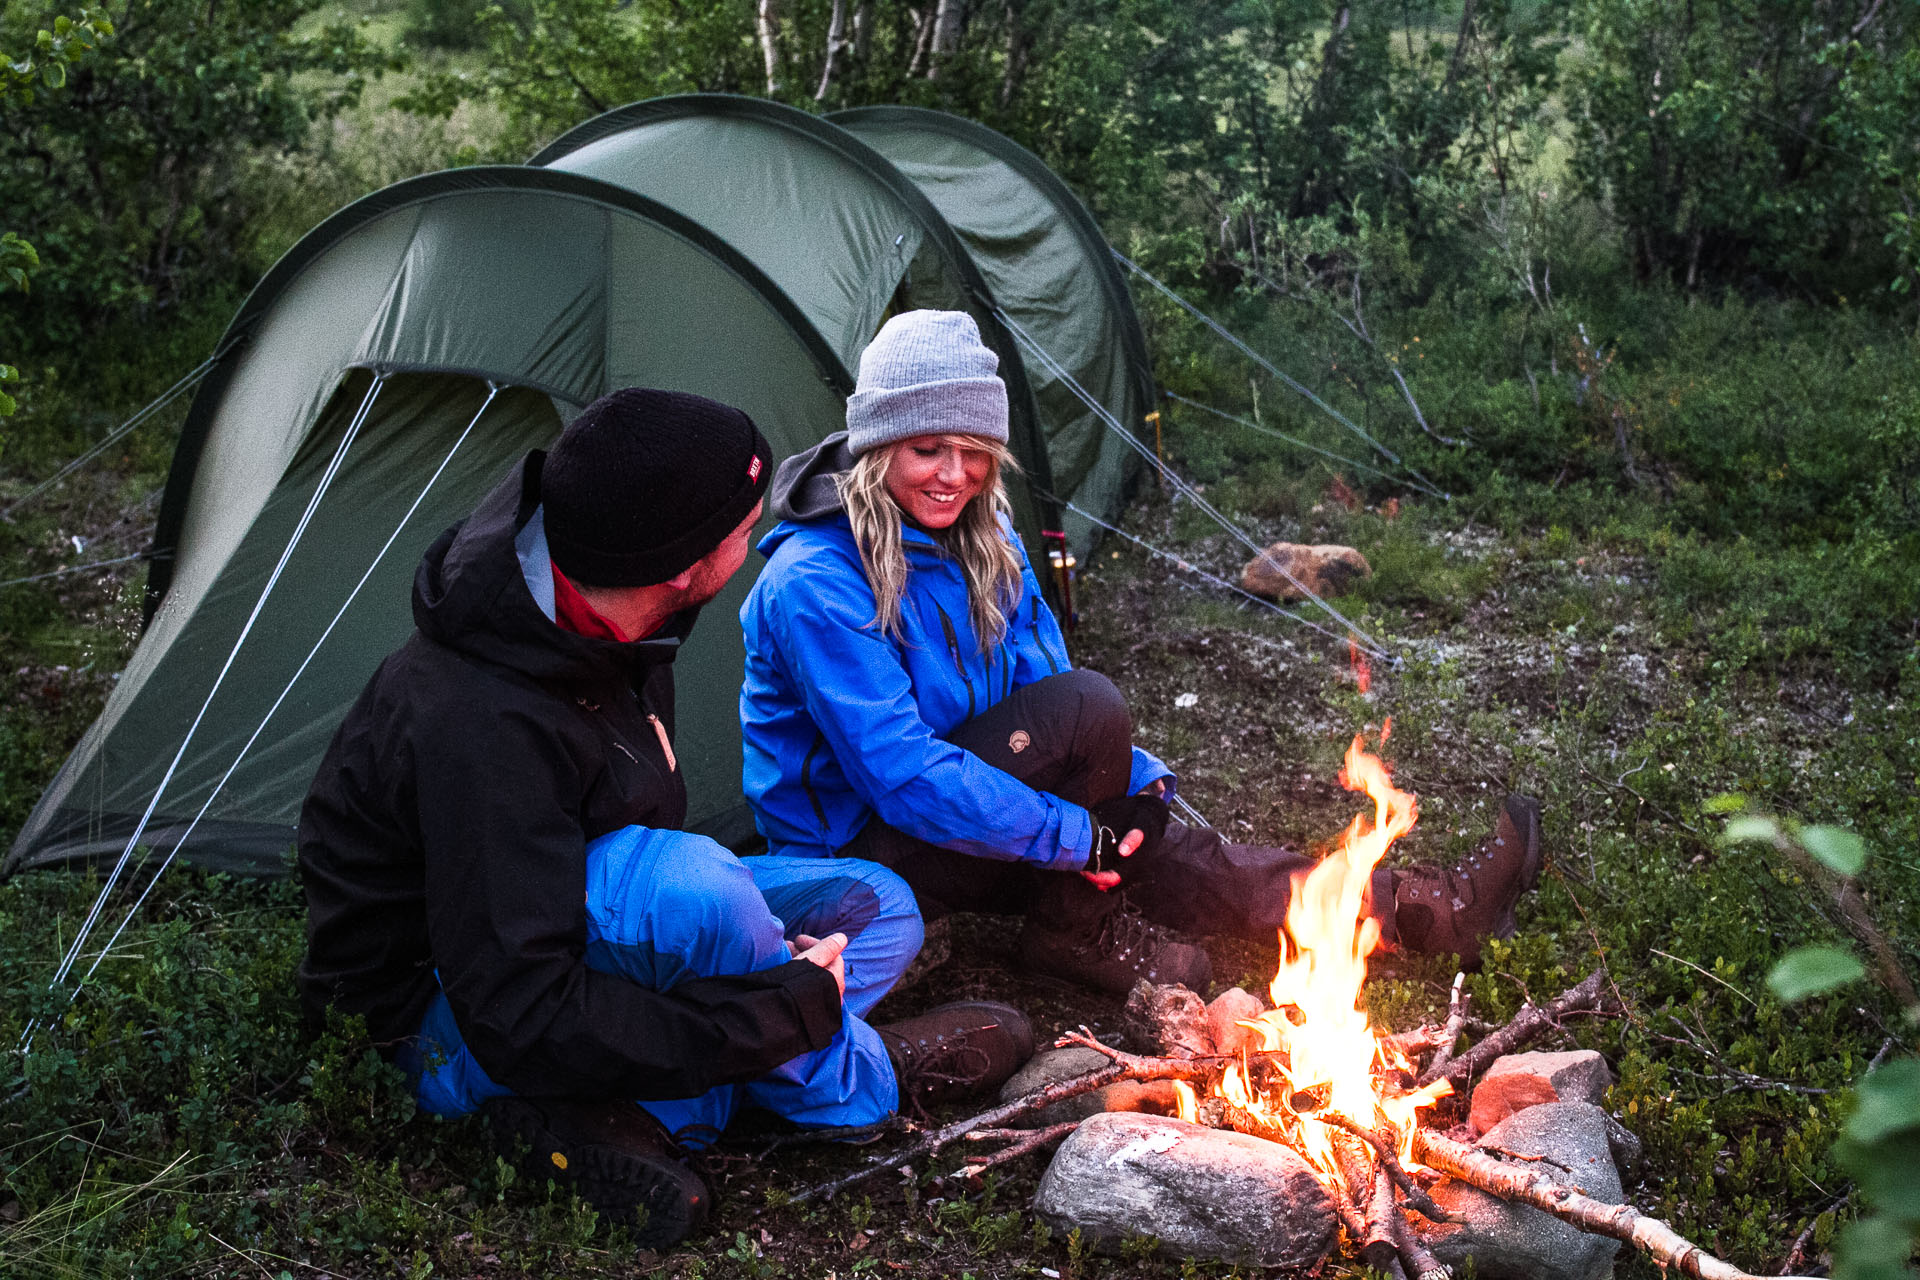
(1123, 1066)
(1653, 1237)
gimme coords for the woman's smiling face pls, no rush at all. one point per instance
(933, 478)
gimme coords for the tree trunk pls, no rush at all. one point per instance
(1019, 46)
(768, 21)
(923, 20)
(949, 19)
(862, 32)
(836, 41)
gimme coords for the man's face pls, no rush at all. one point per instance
(710, 574)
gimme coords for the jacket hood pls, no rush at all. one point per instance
(470, 595)
(803, 487)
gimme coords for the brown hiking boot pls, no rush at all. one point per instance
(1442, 910)
(957, 1049)
(615, 1155)
(1113, 954)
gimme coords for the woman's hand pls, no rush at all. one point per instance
(824, 952)
(1106, 881)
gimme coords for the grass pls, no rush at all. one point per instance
(1744, 621)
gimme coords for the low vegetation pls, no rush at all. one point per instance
(1674, 589)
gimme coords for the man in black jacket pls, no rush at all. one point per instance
(494, 872)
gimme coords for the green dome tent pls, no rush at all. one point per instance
(391, 367)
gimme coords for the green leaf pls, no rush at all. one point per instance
(1728, 802)
(54, 74)
(1813, 971)
(1838, 847)
(1750, 827)
(1888, 1101)
(7, 405)
(1873, 1248)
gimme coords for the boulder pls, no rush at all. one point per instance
(1050, 1066)
(1202, 1193)
(1518, 1242)
(1224, 1016)
(1324, 569)
(1521, 1080)
(1167, 1020)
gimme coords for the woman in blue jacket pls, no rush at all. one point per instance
(908, 699)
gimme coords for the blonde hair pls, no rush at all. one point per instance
(975, 540)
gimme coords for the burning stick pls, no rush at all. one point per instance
(1420, 1263)
(1377, 1245)
(1620, 1221)
(1390, 1164)
(1532, 1022)
(1124, 1066)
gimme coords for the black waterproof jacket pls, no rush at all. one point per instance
(446, 831)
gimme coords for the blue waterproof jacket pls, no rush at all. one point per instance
(841, 722)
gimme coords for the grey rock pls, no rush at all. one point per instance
(1580, 1075)
(1050, 1066)
(1168, 1020)
(1628, 1150)
(1202, 1193)
(1519, 1242)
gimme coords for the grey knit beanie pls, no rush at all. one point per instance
(926, 373)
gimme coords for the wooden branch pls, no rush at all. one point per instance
(1390, 1162)
(1858, 920)
(1124, 1066)
(1569, 1204)
(1457, 1003)
(1377, 1246)
(1419, 1260)
(1532, 1022)
(1020, 1142)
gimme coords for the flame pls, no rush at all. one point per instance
(1361, 668)
(1327, 1053)
(1188, 1103)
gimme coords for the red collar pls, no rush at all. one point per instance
(571, 612)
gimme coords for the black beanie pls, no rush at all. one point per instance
(645, 483)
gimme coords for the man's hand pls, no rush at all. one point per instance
(1157, 789)
(824, 952)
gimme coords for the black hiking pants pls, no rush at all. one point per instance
(1072, 736)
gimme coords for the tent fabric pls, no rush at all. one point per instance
(442, 291)
(1043, 257)
(828, 219)
(726, 246)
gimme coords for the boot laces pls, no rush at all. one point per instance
(1126, 935)
(952, 1058)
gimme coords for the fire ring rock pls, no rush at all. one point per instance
(1519, 1242)
(1052, 1066)
(1202, 1193)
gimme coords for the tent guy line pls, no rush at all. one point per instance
(1263, 429)
(1190, 567)
(165, 398)
(1180, 485)
(273, 579)
(493, 390)
(1273, 369)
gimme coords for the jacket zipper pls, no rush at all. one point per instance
(806, 779)
(953, 647)
(1033, 615)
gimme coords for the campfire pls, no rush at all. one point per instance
(1313, 1081)
(1320, 1071)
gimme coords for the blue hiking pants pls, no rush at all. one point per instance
(663, 906)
